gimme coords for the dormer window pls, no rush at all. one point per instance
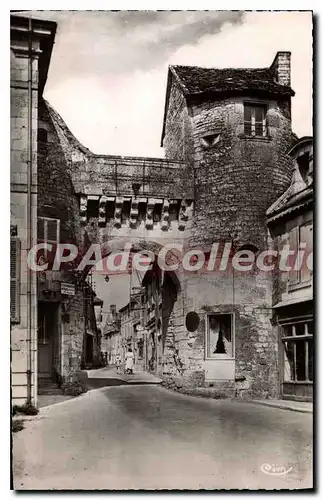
(255, 124)
(305, 165)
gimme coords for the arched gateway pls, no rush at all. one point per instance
(214, 191)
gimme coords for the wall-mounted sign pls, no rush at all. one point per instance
(67, 289)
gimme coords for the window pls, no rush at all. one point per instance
(297, 339)
(305, 168)
(210, 140)
(140, 349)
(48, 231)
(219, 336)
(255, 120)
(42, 139)
(42, 135)
(301, 235)
(15, 253)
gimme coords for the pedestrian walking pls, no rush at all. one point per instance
(118, 362)
(129, 361)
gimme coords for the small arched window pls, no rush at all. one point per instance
(42, 135)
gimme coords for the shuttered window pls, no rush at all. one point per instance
(15, 255)
(48, 231)
(306, 236)
(255, 120)
(301, 234)
(293, 245)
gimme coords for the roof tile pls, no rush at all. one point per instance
(196, 80)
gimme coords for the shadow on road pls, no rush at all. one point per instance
(95, 383)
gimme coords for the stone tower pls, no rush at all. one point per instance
(232, 128)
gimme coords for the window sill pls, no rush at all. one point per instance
(255, 138)
(298, 382)
(220, 358)
(299, 286)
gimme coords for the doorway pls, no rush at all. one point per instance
(47, 339)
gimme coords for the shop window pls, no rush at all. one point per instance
(298, 351)
(255, 123)
(219, 336)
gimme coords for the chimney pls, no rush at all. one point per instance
(281, 68)
(113, 311)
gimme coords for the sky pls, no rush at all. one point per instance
(108, 73)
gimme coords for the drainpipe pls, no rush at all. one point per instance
(29, 217)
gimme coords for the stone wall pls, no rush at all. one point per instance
(254, 370)
(57, 199)
(73, 337)
(177, 115)
(19, 128)
(238, 177)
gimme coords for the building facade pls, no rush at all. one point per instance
(132, 319)
(290, 222)
(31, 45)
(232, 127)
(111, 338)
(229, 156)
(53, 329)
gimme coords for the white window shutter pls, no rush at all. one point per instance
(15, 255)
(293, 244)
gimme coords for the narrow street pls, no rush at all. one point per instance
(146, 437)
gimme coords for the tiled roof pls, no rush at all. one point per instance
(297, 195)
(196, 80)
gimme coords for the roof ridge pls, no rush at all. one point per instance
(267, 68)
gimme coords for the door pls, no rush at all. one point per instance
(46, 337)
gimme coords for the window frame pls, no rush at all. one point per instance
(253, 122)
(293, 339)
(45, 221)
(219, 357)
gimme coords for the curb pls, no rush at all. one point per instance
(278, 405)
(70, 400)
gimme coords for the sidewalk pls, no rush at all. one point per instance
(110, 373)
(284, 404)
(47, 400)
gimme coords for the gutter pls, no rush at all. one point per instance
(29, 216)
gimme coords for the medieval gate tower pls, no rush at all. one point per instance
(226, 134)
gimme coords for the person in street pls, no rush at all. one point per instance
(118, 362)
(129, 361)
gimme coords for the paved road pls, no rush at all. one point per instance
(145, 437)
